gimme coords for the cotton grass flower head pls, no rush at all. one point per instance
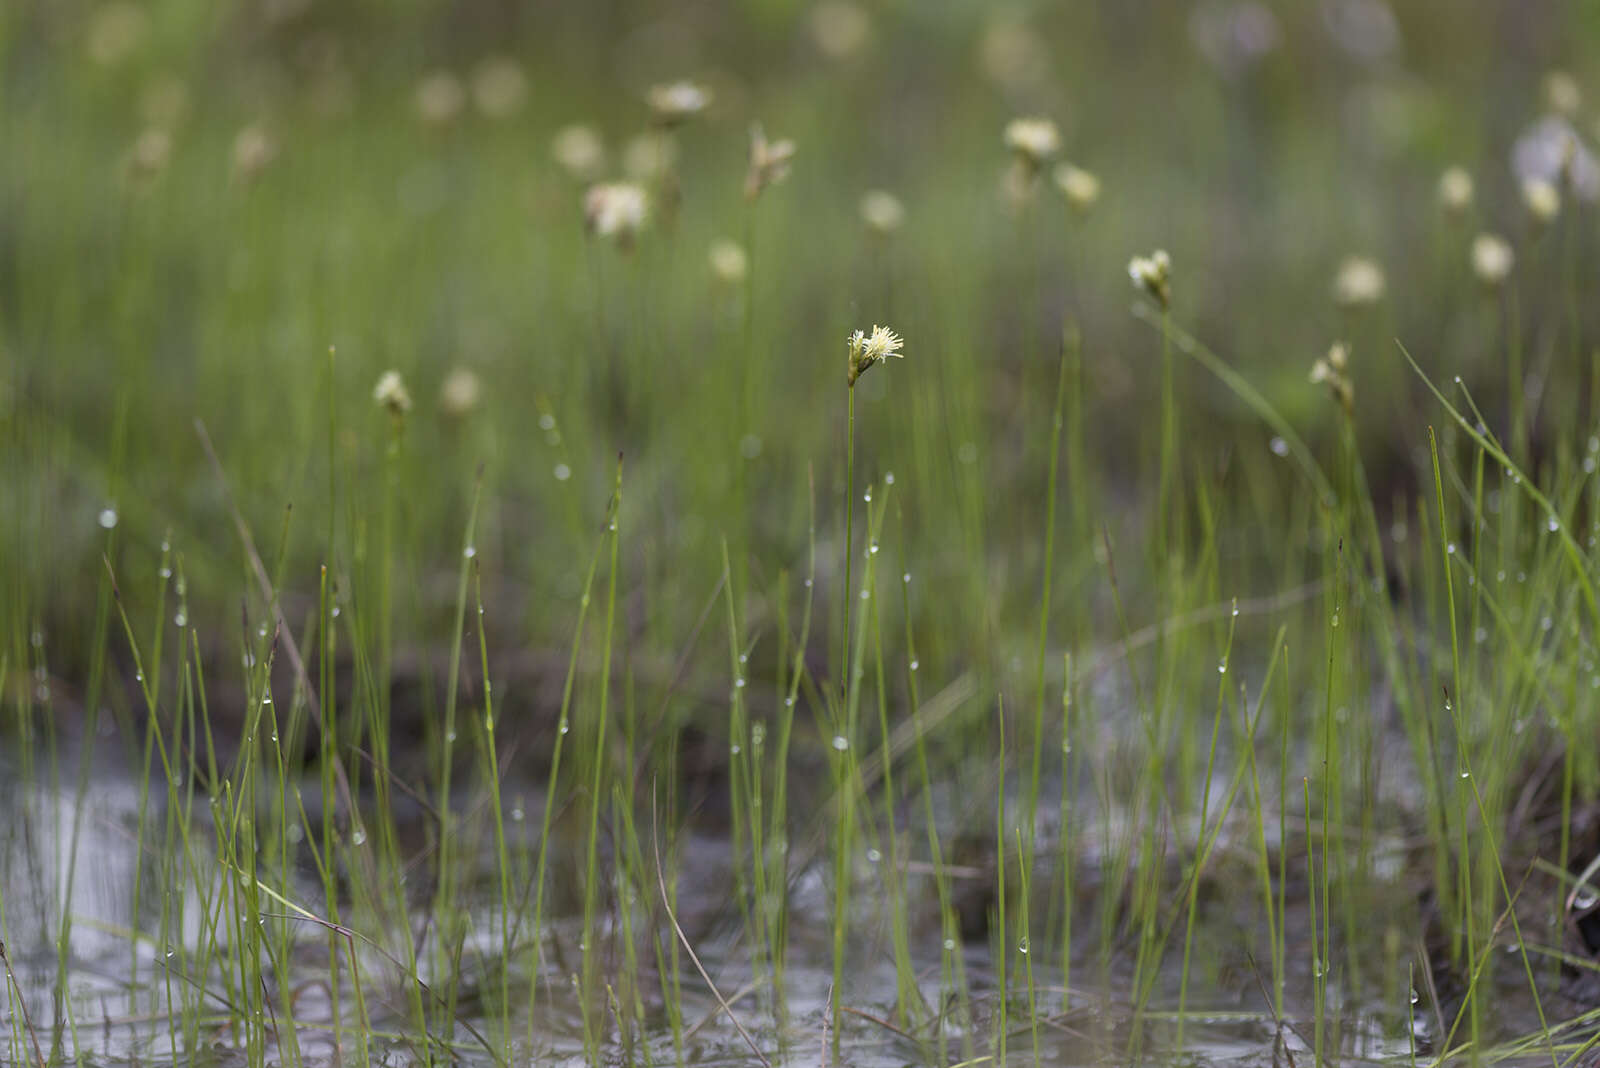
(1152, 275)
(881, 212)
(1333, 370)
(254, 149)
(648, 157)
(868, 349)
(391, 393)
(616, 210)
(149, 155)
(459, 393)
(769, 161)
(1080, 187)
(1455, 190)
(1492, 259)
(728, 261)
(1562, 96)
(840, 29)
(499, 87)
(440, 98)
(579, 151)
(1542, 199)
(677, 102)
(1359, 282)
(1034, 141)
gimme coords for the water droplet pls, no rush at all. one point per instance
(1279, 447)
(915, 664)
(517, 815)
(840, 742)
(37, 638)
(1066, 747)
(1450, 549)
(735, 749)
(866, 595)
(165, 572)
(1480, 635)
(108, 517)
(1553, 524)
(450, 736)
(872, 549)
(873, 856)
(138, 676)
(359, 836)
(1022, 945)
(547, 421)
(789, 702)
(565, 726)
(949, 945)
(906, 577)
(758, 733)
(1465, 774)
(808, 584)
(744, 658)
(1335, 620)
(1222, 668)
(1584, 900)
(267, 700)
(888, 478)
(470, 551)
(562, 472)
(1415, 997)
(867, 496)
(738, 683)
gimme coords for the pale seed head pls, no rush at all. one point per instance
(1033, 140)
(440, 98)
(616, 210)
(1359, 282)
(867, 349)
(499, 87)
(1080, 187)
(579, 151)
(677, 102)
(1152, 275)
(1542, 199)
(459, 393)
(1455, 190)
(729, 263)
(769, 161)
(1492, 258)
(391, 393)
(882, 212)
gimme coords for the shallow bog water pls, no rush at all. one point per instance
(146, 972)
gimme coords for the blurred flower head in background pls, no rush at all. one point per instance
(499, 87)
(881, 212)
(1359, 281)
(579, 151)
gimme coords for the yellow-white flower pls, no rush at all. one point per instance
(1492, 258)
(868, 349)
(678, 102)
(1455, 190)
(1080, 187)
(769, 161)
(616, 210)
(440, 98)
(728, 261)
(1152, 274)
(882, 212)
(459, 393)
(391, 393)
(1562, 94)
(1332, 370)
(499, 87)
(1034, 140)
(1359, 281)
(579, 151)
(1542, 198)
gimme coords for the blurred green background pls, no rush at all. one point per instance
(198, 199)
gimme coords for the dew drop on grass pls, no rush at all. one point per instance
(906, 577)
(517, 815)
(867, 496)
(840, 742)
(915, 664)
(949, 945)
(1279, 447)
(808, 584)
(1022, 946)
(359, 837)
(450, 736)
(1553, 524)
(37, 638)
(758, 734)
(866, 595)
(1584, 901)
(165, 572)
(1415, 997)
(180, 620)
(735, 749)
(888, 478)
(788, 702)
(738, 683)
(873, 856)
(108, 517)
(267, 700)
(1222, 668)
(547, 422)
(470, 551)
(872, 549)
(565, 726)
(562, 472)
(1450, 549)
